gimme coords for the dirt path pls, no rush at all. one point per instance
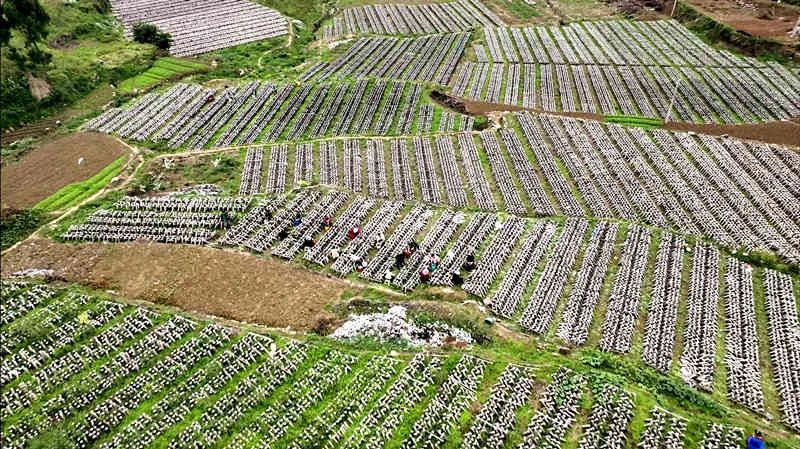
(784, 132)
(763, 18)
(227, 284)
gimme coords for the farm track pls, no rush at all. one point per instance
(784, 132)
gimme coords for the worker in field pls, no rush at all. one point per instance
(756, 441)
(469, 265)
(354, 232)
(327, 222)
(424, 275)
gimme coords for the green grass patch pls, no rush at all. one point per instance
(73, 194)
(633, 120)
(163, 69)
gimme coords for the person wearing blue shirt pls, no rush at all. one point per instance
(756, 441)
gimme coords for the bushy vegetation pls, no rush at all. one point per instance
(17, 225)
(73, 194)
(481, 122)
(87, 50)
(147, 33)
(30, 21)
(653, 381)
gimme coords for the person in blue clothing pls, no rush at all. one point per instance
(756, 441)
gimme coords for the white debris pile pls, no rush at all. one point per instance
(36, 272)
(199, 190)
(394, 326)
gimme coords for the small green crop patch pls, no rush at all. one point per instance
(73, 194)
(632, 120)
(163, 69)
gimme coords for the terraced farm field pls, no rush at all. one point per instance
(110, 374)
(472, 224)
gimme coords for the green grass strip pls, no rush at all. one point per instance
(162, 69)
(73, 194)
(633, 120)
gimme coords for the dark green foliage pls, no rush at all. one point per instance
(163, 41)
(480, 123)
(147, 33)
(144, 33)
(30, 20)
(19, 225)
(617, 369)
(102, 6)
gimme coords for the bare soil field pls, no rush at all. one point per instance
(53, 165)
(226, 284)
(762, 18)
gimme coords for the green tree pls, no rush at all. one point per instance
(163, 41)
(144, 33)
(148, 33)
(30, 20)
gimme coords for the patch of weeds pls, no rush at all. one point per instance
(18, 225)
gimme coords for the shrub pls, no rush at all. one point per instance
(650, 379)
(19, 225)
(481, 123)
(147, 33)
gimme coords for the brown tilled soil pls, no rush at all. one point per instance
(762, 18)
(223, 283)
(53, 165)
(783, 132)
